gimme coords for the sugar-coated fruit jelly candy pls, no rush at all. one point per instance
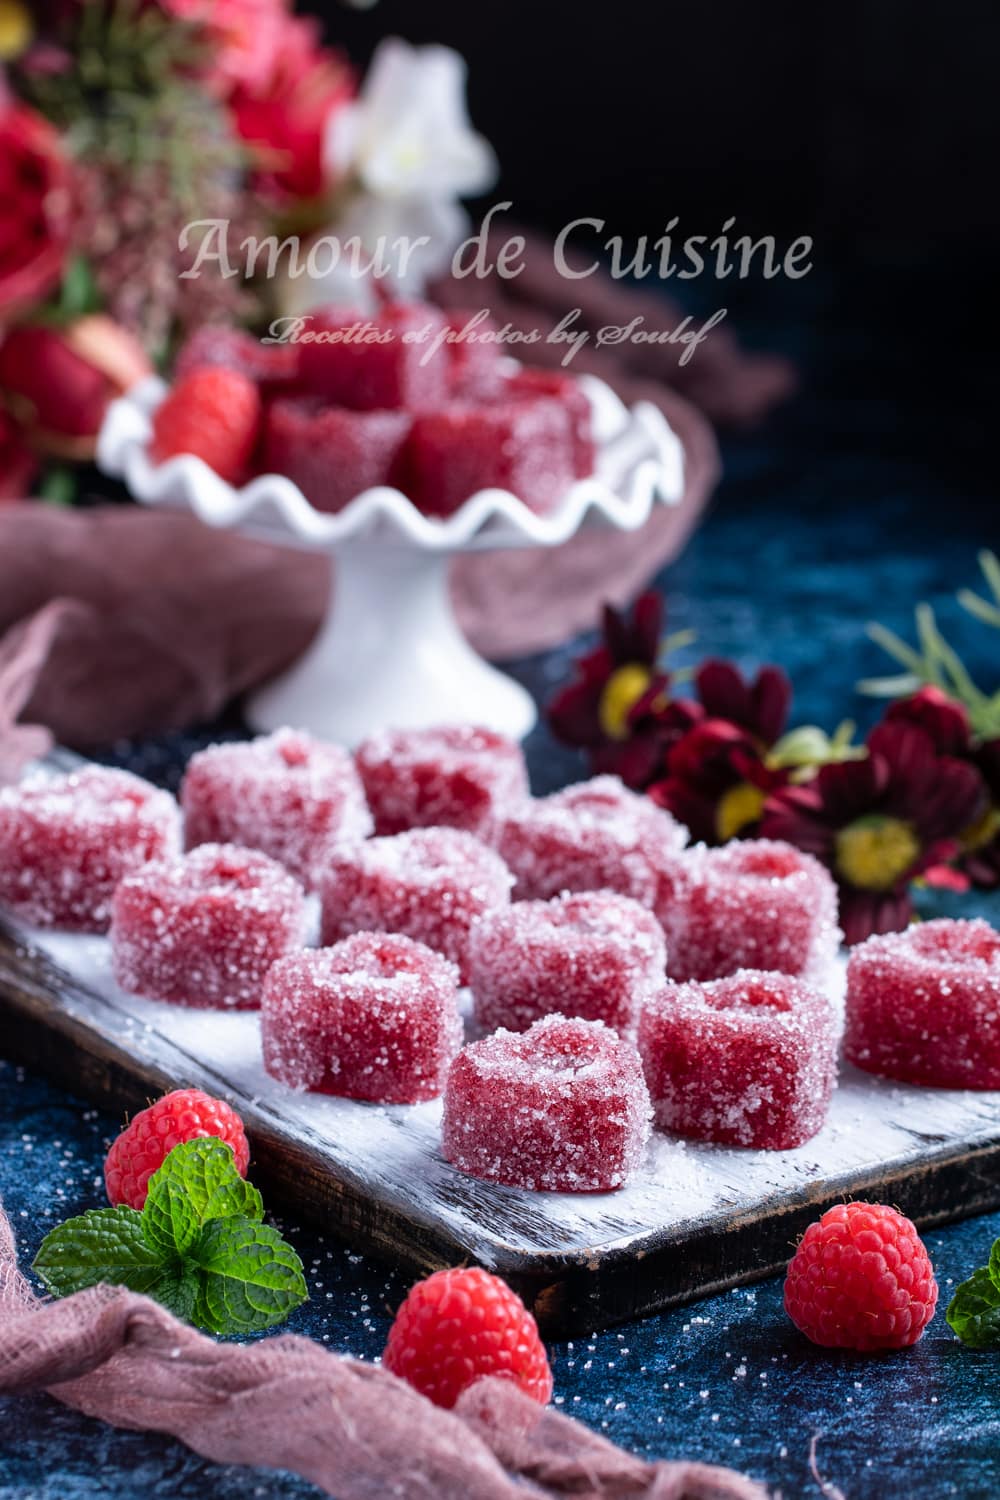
(561, 1108)
(333, 454)
(374, 1017)
(595, 954)
(750, 1060)
(475, 368)
(287, 794)
(384, 362)
(273, 366)
(758, 904)
(923, 1006)
(429, 883)
(66, 842)
(455, 776)
(596, 835)
(525, 447)
(204, 929)
(547, 385)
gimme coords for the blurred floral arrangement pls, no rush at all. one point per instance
(122, 121)
(919, 799)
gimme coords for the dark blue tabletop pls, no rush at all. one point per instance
(860, 498)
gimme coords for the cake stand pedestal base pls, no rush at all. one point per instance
(390, 652)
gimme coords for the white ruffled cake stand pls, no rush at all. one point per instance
(390, 651)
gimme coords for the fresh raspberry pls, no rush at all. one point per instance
(214, 414)
(861, 1279)
(144, 1145)
(459, 1325)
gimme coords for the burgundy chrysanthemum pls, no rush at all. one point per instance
(880, 821)
(619, 709)
(718, 776)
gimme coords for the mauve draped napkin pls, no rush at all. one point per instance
(287, 1403)
(120, 622)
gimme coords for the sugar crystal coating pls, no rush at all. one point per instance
(287, 794)
(454, 775)
(559, 1108)
(379, 363)
(596, 955)
(750, 1060)
(594, 836)
(526, 447)
(66, 842)
(754, 904)
(429, 883)
(374, 1017)
(204, 929)
(331, 453)
(923, 1006)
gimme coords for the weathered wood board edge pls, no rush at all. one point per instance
(570, 1294)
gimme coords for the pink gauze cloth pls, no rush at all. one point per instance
(287, 1403)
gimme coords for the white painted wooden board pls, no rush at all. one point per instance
(694, 1218)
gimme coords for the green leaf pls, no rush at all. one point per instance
(197, 1182)
(106, 1244)
(251, 1278)
(974, 1311)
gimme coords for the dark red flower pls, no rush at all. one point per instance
(761, 706)
(980, 859)
(619, 709)
(57, 384)
(879, 822)
(717, 781)
(940, 717)
(285, 115)
(18, 465)
(34, 224)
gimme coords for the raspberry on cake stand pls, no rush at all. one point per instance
(390, 651)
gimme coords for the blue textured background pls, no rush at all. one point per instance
(860, 498)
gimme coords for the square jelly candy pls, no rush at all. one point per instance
(455, 775)
(750, 1060)
(374, 1017)
(758, 904)
(923, 1006)
(333, 454)
(429, 883)
(594, 954)
(385, 362)
(287, 794)
(596, 835)
(525, 447)
(560, 1108)
(203, 930)
(66, 842)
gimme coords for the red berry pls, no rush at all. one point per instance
(144, 1145)
(459, 1325)
(861, 1279)
(214, 414)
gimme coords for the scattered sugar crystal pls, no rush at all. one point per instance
(66, 842)
(456, 776)
(561, 1108)
(203, 930)
(758, 904)
(429, 883)
(374, 1017)
(593, 954)
(596, 835)
(923, 1006)
(749, 1060)
(287, 794)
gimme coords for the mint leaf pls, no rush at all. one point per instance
(197, 1182)
(251, 1278)
(974, 1311)
(106, 1244)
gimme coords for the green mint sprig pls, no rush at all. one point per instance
(199, 1247)
(974, 1311)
